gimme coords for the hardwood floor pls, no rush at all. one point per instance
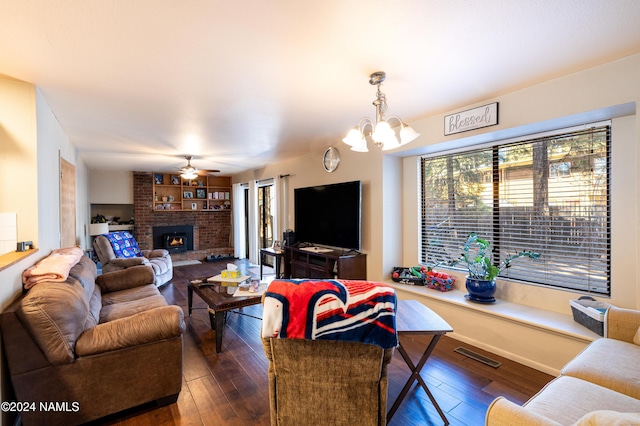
(230, 388)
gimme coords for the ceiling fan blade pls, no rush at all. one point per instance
(208, 171)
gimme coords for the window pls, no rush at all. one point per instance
(548, 194)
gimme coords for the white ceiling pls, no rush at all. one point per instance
(137, 84)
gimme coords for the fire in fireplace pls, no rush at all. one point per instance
(174, 238)
(175, 242)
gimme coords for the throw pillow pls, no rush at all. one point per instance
(609, 418)
(636, 338)
(123, 244)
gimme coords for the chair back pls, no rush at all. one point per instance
(329, 343)
(103, 249)
(327, 382)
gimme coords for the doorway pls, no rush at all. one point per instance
(246, 221)
(67, 204)
(266, 218)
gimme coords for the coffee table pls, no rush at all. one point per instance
(413, 318)
(219, 302)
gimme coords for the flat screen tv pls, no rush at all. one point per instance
(329, 215)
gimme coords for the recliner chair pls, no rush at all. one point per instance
(158, 259)
(328, 358)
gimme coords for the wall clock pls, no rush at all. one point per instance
(331, 159)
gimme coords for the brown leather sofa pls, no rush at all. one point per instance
(158, 259)
(92, 346)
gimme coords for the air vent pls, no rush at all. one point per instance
(476, 356)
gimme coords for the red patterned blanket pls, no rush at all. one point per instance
(357, 311)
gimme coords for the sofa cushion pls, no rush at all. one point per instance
(132, 307)
(150, 326)
(594, 364)
(567, 399)
(609, 418)
(55, 314)
(129, 294)
(636, 337)
(123, 244)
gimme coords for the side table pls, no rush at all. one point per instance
(413, 318)
(278, 255)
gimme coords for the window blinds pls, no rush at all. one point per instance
(548, 194)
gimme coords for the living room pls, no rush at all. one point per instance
(535, 326)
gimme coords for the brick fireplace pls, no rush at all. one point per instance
(211, 229)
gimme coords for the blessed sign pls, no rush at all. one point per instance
(471, 119)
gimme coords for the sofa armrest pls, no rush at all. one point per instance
(123, 279)
(145, 327)
(503, 412)
(155, 253)
(127, 262)
(621, 324)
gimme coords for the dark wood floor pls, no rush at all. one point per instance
(230, 388)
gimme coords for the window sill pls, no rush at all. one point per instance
(549, 321)
(9, 259)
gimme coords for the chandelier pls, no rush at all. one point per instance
(380, 130)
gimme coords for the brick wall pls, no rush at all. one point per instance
(211, 229)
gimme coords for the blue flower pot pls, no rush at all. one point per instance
(480, 291)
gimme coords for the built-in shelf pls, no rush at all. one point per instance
(204, 193)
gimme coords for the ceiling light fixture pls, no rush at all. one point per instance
(189, 172)
(381, 133)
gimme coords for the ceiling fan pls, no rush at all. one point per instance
(190, 172)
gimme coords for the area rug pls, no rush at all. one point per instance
(186, 262)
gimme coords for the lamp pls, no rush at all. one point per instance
(381, 133)
(98, 229)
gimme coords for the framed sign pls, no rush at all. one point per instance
(471, 119)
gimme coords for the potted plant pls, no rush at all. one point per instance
(480, 282)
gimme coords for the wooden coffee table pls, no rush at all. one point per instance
(220, 302)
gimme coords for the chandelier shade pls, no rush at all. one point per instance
(381, 132)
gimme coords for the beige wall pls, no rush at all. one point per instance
(308, 171)
(110, 187)
(391, 197)
(18, 155)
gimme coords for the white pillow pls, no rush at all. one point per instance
(609, 418)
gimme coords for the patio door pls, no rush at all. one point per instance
(265, 215)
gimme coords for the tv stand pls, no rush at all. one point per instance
(314, 249)
(300, 262)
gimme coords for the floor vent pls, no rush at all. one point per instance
(474, 355)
